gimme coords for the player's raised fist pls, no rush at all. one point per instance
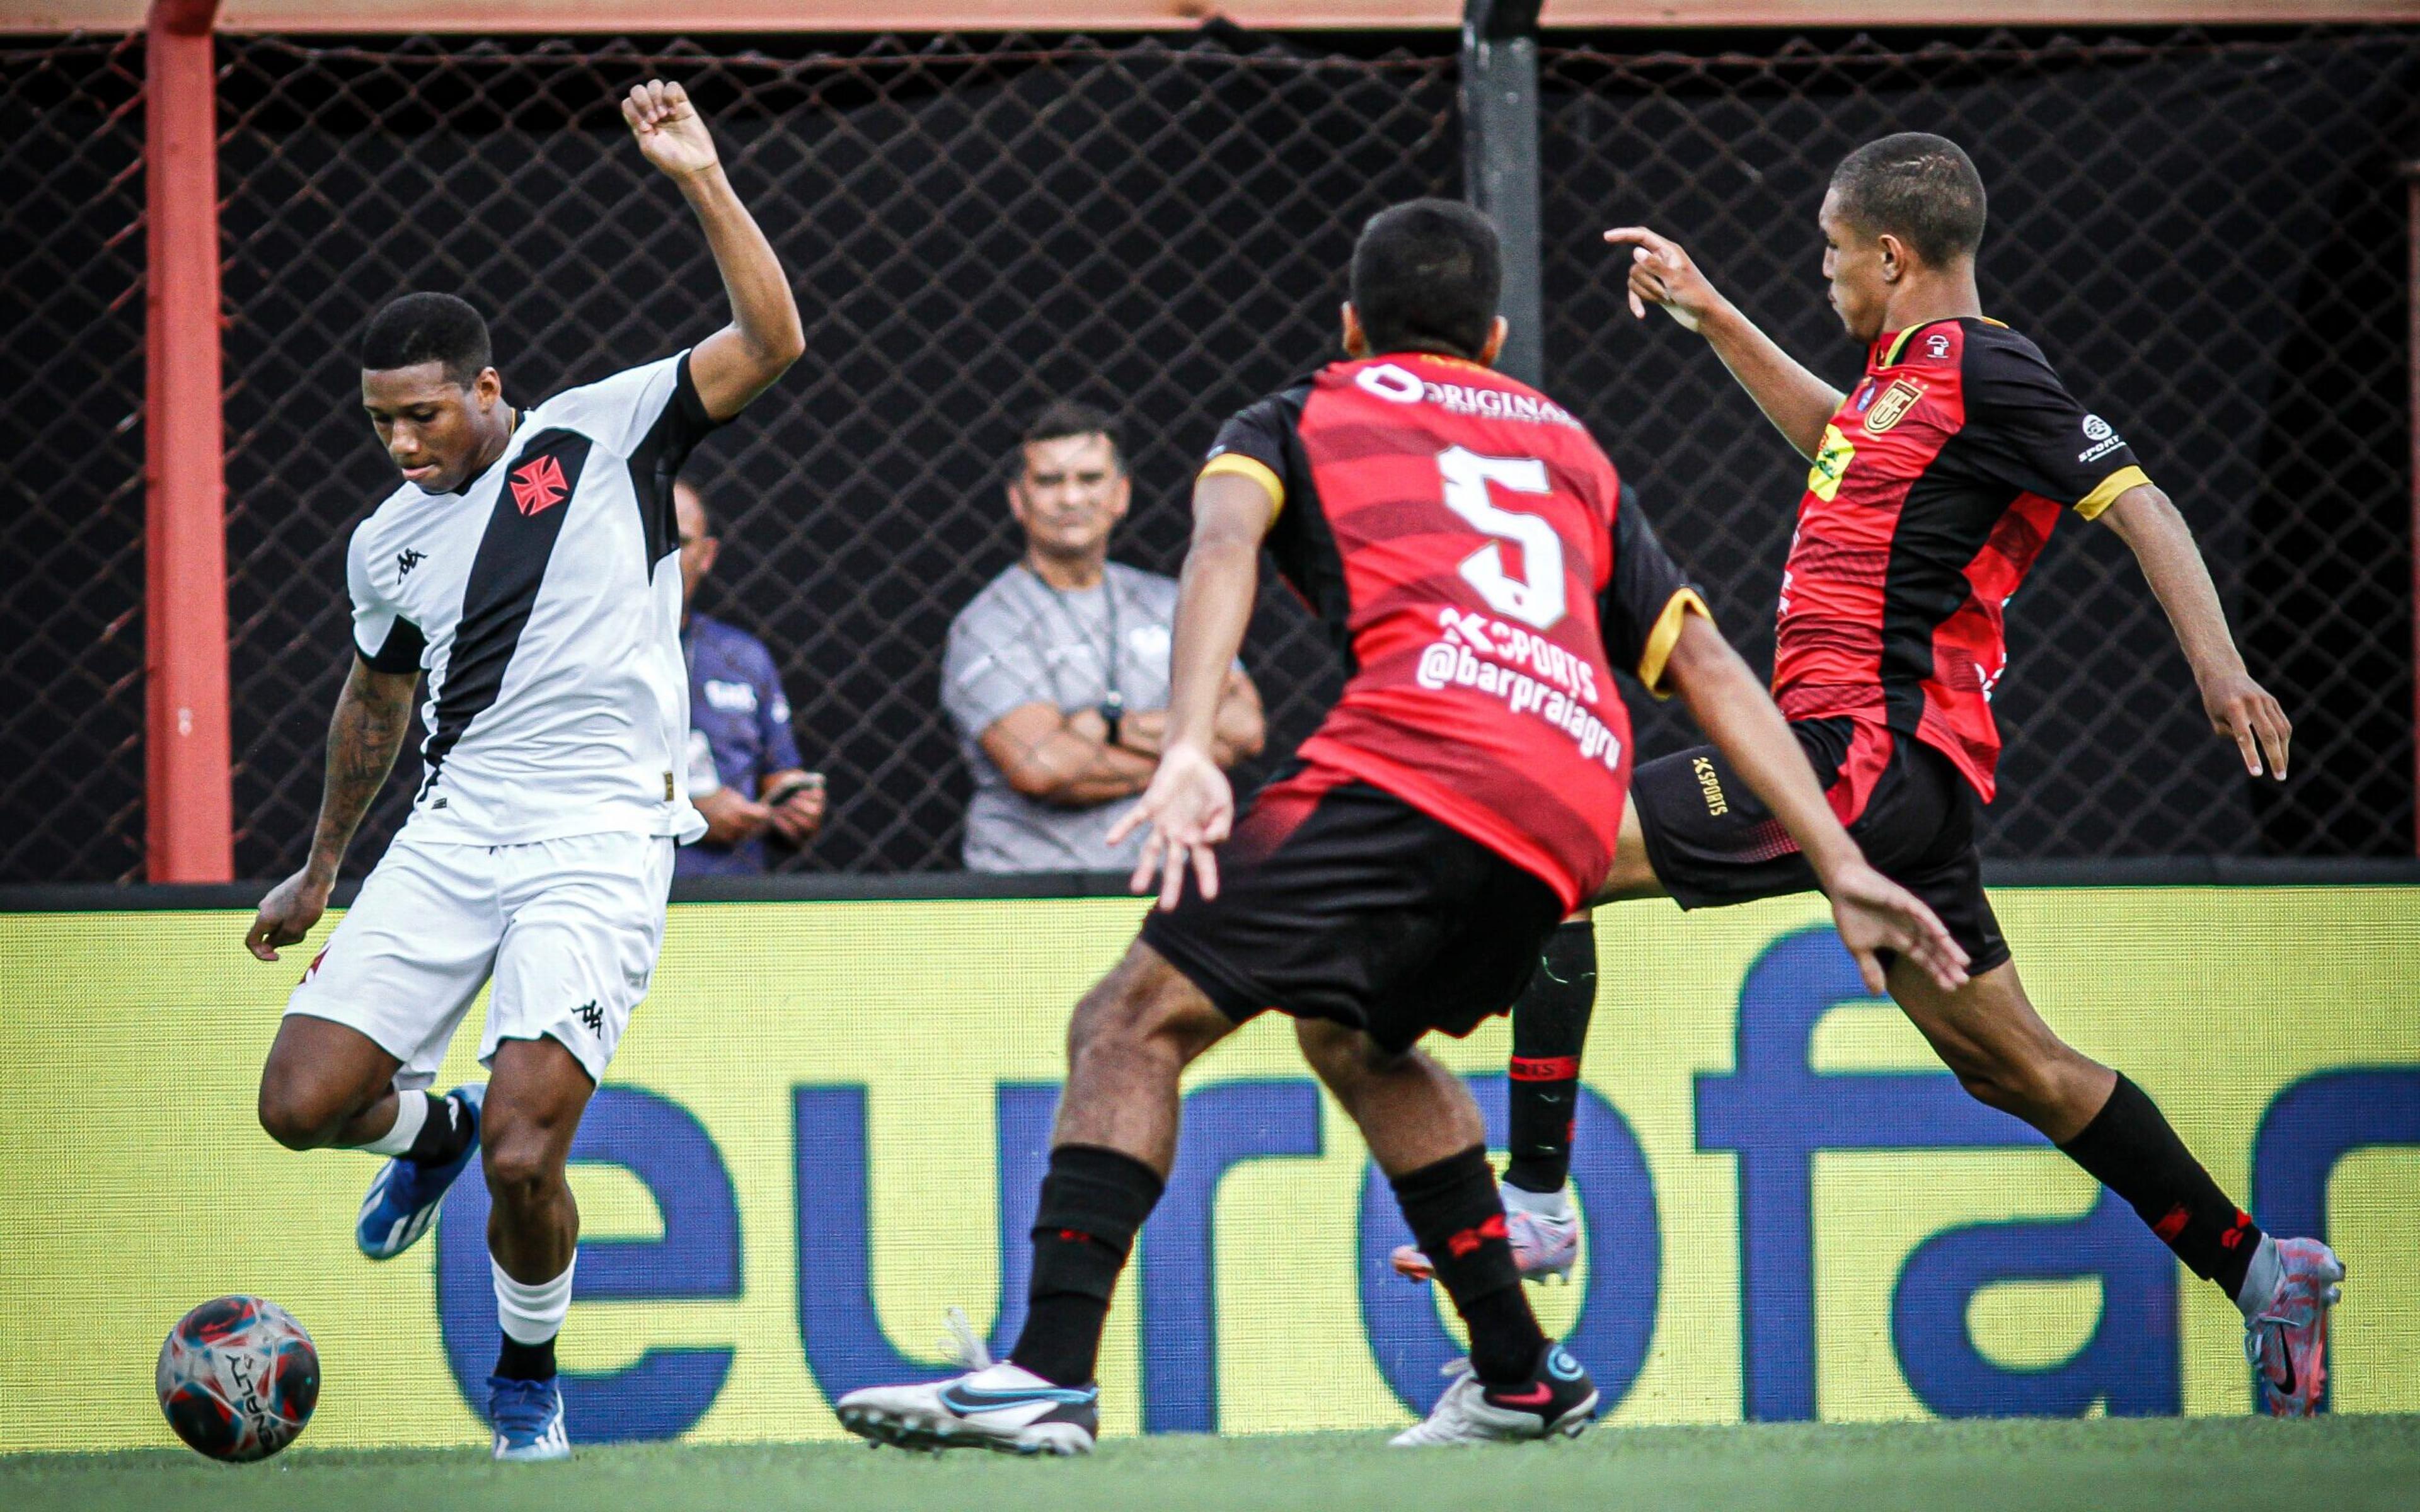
(1662, 274)
(669, 129)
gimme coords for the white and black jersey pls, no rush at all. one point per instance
(540, 601)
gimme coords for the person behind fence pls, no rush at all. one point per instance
(744, 772)
(1057, 672)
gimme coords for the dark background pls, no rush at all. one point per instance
(2206, 232)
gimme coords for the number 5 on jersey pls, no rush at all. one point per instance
(1535, 599)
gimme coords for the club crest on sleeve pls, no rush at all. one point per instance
(1891, 406)
(539, 485)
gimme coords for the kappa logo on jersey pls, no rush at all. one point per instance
(406, 560)
(590, 1014)
(1893, 406)
(539, 485)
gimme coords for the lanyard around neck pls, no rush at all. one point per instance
(1067, 612)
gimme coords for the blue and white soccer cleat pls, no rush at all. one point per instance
(402, 1200)
(1002, 1406)
(2286, 1340)
(528, 1419)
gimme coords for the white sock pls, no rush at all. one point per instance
(2260, 1280)
(1555, 1205)
(411, 1112)
(532, 1313)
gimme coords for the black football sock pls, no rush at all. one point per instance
(444, 1133)
(1458, 1221)
(1092, 1202)
(1550, 1027)
(526, 1362)
(2129, 1147)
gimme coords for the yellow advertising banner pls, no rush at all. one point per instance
(826, 1123)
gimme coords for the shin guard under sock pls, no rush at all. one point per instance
(1458, 1221)
(529, 1313)
(2130, 1149)
(1550, 1027)
(1092, 1201)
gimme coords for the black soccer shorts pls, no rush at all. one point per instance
(1713, 842)
(1340, 901)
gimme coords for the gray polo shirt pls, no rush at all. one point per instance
(1021, 642)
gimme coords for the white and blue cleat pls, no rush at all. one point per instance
(402, 1201)
(527, 1416)
(1000, 1407)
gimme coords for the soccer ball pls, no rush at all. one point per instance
(238, 1377)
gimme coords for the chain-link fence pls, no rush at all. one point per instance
(973, 230)
(71, 493)
(2207, 236)
(2204, 233)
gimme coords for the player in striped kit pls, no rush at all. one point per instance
(1462, 537)
(1935, 482)
(526, 566)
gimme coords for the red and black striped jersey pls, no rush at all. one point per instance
(1465, 539)
(1936, 488)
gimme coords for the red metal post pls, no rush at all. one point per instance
(188, 807)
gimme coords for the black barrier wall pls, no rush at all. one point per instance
(2204, 232)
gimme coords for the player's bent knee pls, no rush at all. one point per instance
(1144, 1007)
(520, 1169)
(1340, 1054)
(299, 1114)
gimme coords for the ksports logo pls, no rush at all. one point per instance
(539, 485)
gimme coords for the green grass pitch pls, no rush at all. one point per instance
(2332, 1464)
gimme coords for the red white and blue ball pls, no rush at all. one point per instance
(238, 1377)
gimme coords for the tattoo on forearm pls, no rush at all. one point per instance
(364, 736)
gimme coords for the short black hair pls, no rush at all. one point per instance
(1063, 417)
(1426, 274)
(428, 327)
(1920, 187)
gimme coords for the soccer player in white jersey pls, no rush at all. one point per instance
(526, 565)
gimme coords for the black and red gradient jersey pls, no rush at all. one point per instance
(1463, 540)
(1936, 489)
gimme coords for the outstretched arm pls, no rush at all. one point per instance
(2239, 708)
(1188, 806)
(373, 713)
(763, 338)
(1872, 912)
(1798, 402)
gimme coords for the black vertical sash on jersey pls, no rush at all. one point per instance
(656, 462)
(530, 506)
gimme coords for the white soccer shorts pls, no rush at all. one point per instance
(568, 930)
